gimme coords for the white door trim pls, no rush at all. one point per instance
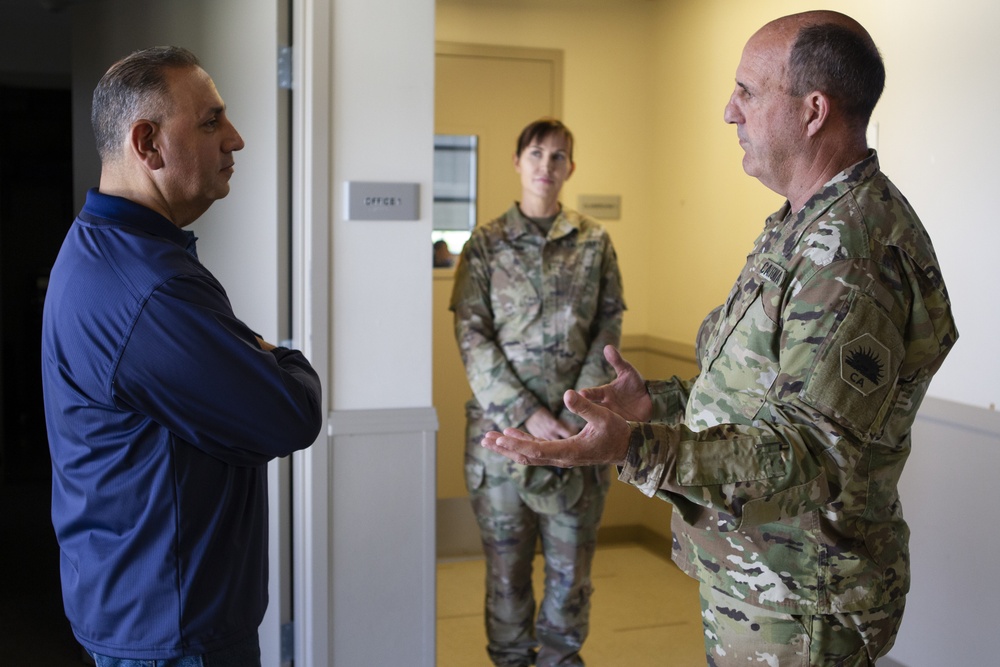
(311, 169)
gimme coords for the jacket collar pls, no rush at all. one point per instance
(518, 225)
(108, 210)
(782, 229)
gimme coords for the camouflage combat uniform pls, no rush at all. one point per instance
(782, 457)
(532, 316)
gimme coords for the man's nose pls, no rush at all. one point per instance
(234, 141)
(732, 114)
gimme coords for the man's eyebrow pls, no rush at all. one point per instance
(213, 111)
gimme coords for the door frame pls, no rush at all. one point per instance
(310, 280)
(473, 50)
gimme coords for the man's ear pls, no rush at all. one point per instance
(144, 143)
(817, 111)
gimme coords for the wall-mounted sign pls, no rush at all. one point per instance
(604, 207)
(382, 201)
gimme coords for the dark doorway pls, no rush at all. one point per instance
(36, 209)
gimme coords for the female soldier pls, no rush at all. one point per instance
(537, 297)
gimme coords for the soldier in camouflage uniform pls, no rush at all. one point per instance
(782, 457)
(537, 297)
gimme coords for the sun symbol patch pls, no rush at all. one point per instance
(863, 363)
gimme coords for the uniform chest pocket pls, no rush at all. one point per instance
(743, 361)
(514, 288)
(762, 283)
(740, 298)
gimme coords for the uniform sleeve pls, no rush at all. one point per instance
(836, 390)
(193, 367)
(606, 328)
(501, 394)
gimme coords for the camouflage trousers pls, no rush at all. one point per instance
(510, 530)
(740, 634)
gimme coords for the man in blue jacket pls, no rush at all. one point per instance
(162, 407)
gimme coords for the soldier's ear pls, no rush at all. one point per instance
(816, 111)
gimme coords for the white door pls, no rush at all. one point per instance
(243, 239)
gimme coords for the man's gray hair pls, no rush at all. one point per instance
(134, 87)
(840, 62)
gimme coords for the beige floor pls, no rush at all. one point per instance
(645, 612)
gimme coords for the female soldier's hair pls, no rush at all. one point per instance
(542, 128)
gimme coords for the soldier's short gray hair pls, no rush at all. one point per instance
(840, 62)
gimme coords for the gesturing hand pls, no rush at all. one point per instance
(603, 440)
(626, 395)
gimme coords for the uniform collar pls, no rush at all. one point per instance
(518, 225)
(786, 222)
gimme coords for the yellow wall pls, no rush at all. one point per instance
(607, 102)
(713, 210)
(451, 390)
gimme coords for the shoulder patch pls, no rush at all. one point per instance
(864, 363)
(854, 374)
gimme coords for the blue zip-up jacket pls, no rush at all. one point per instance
(162, 413)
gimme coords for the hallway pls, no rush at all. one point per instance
(645, 611)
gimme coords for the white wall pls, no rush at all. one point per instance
(383, 128)
(239, 237)
(948, 494)
(382, 426)
(938, 139)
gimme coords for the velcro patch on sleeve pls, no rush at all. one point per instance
(853, 378)
(863, 363)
